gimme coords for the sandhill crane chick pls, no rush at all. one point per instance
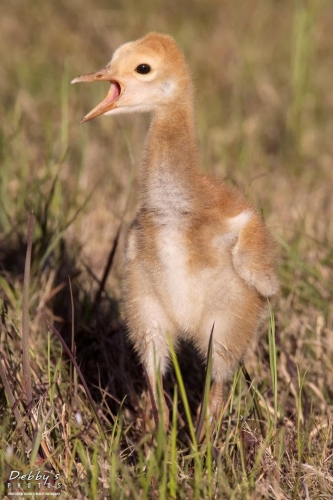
(198, 253)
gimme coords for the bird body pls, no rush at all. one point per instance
(198, 254)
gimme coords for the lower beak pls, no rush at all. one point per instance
(109, 102)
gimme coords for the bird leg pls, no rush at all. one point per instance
(214, 410)
(152, 413)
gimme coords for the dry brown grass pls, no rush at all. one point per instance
(264, 101)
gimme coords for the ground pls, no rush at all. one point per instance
(264, 111)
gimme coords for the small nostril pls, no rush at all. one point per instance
(99, 75)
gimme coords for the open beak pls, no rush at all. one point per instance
(109, 102)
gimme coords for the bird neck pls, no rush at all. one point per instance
(169, 175)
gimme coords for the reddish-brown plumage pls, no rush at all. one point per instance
(198, 253)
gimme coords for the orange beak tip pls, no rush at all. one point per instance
(84, 119)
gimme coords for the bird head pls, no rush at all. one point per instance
(146, 75)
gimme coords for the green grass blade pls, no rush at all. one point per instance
(38, 437)
(25, 315)
(208, 378)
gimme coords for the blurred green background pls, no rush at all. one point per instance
(263, 76)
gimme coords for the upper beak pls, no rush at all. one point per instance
(109, 102)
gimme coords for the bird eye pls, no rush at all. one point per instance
(143, 69)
